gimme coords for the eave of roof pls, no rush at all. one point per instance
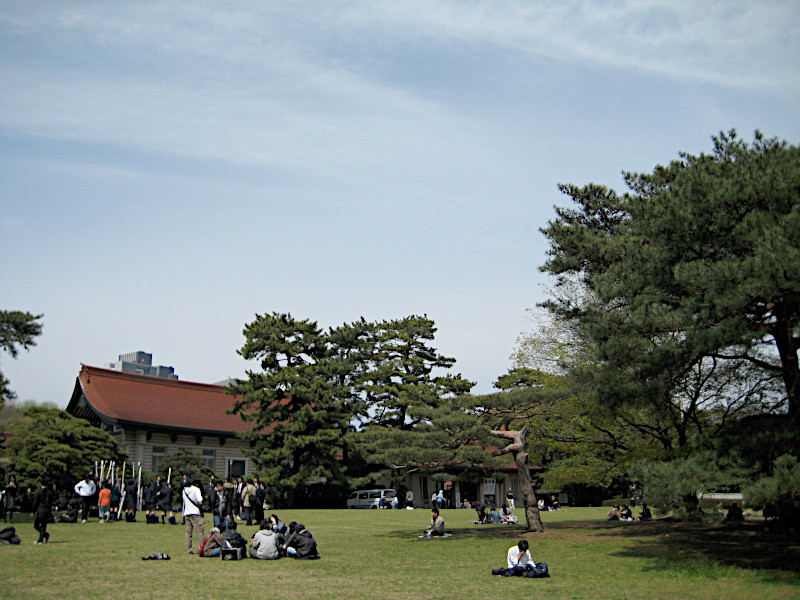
(156, 403)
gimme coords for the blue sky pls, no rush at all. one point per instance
(170, 169)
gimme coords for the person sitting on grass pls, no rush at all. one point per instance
(735, 514)
(233, 537)
(518, 561)
(625, 514)
(613, 514)
(265, 544)
(277, 525)
(73, 507)
(509, 516)
(213, 544)
(495, 515)
(482, 516)
(645, 515)
(300, 544)
(437, 525)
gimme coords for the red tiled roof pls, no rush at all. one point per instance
(126, 398)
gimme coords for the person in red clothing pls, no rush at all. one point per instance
(104, 502)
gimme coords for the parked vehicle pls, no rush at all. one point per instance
(371, 498)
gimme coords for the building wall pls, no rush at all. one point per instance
(220, 458)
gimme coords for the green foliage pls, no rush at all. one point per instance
(673, 485)
(298, 402)
(184, 461)
(314, 384)
(782, 486)
(17, 329)
(399, 376)
(51, 444)
(697, 268)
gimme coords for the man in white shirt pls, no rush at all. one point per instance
(86, 489)
(192, 501)
(520, 556)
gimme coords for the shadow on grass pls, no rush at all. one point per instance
(675, 544)
(511, 532)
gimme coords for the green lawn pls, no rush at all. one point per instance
(376, 554)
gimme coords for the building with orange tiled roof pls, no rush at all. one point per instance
(152, 417)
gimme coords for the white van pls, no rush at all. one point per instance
(371, 498)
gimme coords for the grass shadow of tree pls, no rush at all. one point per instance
(669, 544)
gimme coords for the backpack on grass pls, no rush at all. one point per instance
(9, 536)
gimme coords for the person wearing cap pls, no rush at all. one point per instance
(192, 501)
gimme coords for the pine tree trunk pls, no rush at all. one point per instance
(517, 448)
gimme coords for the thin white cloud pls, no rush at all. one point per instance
(255, 83)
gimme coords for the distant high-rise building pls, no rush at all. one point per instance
(142, 364)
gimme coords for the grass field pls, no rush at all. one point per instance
(376, 555)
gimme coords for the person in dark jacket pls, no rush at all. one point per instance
(10, 499)
(165, 503)
(300, 543)
(73, 508)
(220, 500)
(151, 502)
(130, 501)
(42, 510)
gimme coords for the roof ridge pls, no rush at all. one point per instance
(103, 372)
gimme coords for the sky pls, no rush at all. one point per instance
(169, 170)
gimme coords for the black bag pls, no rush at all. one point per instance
(540, 570)
(9, 536)
(235, 539)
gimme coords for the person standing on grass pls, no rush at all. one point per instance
(9, 499)
(192, 501)
(104, 503)
(510, 499)
(116, 496)
(130, 501)
(248, 501)
(86, 489)
(42, 510)
(165, 503)
(220, 500)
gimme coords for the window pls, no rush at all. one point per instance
(236, 468)
(158, 455)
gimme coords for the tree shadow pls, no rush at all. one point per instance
(511, 532)
(744, 545)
